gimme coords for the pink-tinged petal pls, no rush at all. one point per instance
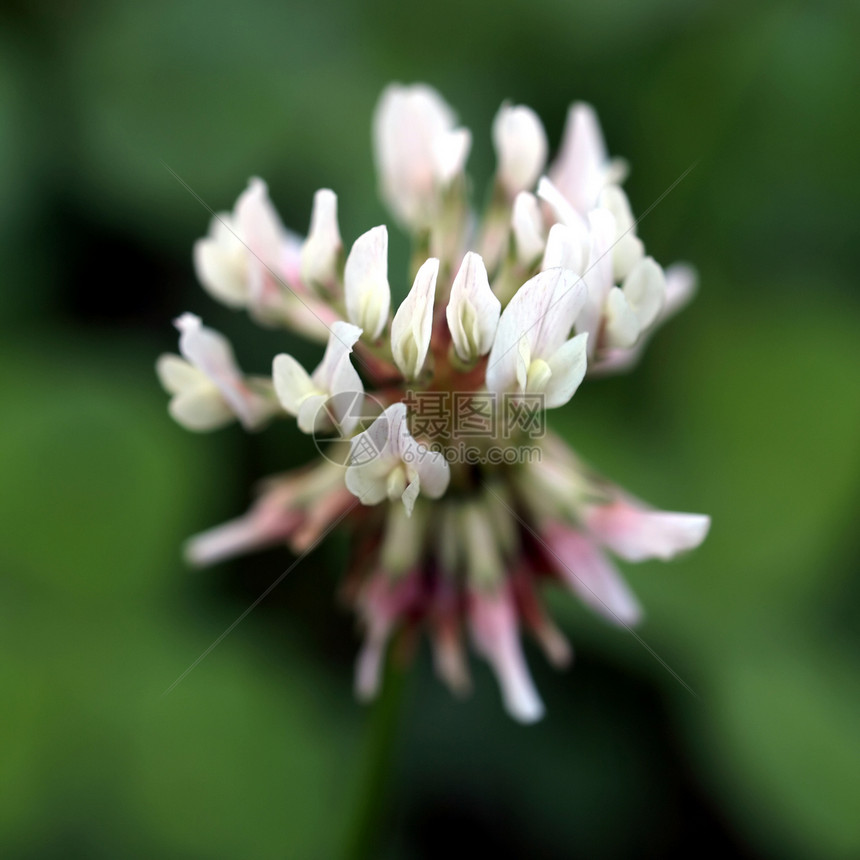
(414, 145)
(211, 353)
(636, 533)
(263, 235)
(449, 661)
(329, 507)
(586, 570)
(270, 521)
(493, 624)
(382, 604)
(582, 166)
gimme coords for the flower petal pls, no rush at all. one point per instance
(521, 147)
(201, 409)
(568, 366)
(473, 310)
(412, 325)
(367, 293)
(534, 325)
(591, 575)
(211, 353)
(637, 533)
(581, 169)
(527, 227)
(621, 322)
(493, 625)
(177, 375)
(645, 291)
(322, 248)
(293, 385)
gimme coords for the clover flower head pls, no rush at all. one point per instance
(429, 412)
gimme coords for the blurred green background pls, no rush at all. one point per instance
(746, 407)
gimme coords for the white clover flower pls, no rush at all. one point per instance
(532, 352)
(328, 397)
(459, 503)
(387, 463)
(418, 149)
(208, 388)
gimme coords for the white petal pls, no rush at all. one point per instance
(407, 126)
(342, 337)
(637, 533)
(450, 152)
(473, 310)
(494, 631)
(178, 375)
(598, 273)
(201, 409)
(373, 455)
(367, 293)
(259, 226)
(627, 250)
(312, 415)
(321, 250)
(220, 261)
(581, 169)
(591, 575)
(293, 385)
(566, 248)
(431, 466)
(680, 288)
(521, 147)
(568, 365)
(538, 319)
(559, 204)
(622, 323)
(413, 323)
(645, 291)
(527, 227)
(211, 353)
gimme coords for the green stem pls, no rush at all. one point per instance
(371, 807)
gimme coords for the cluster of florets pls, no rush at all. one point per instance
(430, 422)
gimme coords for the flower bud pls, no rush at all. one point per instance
(412, 325)
(366, 289)
(521, 147)
(473, 310)
(323, 246)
